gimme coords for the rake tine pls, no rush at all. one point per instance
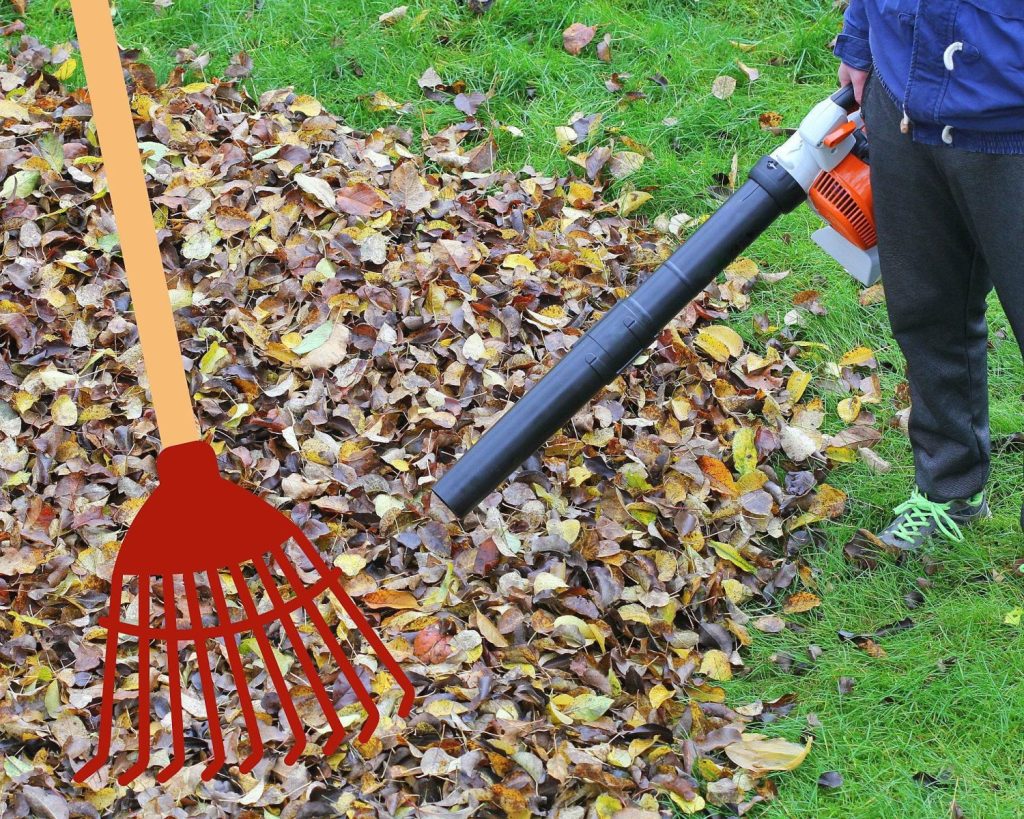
(174, 677)
(106, 723)
(238, 672)
(372, 712)
(144, 680)
(337, 729)
(270, 661)
(357, 617)
(203, 661)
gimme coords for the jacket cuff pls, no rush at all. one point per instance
(854, 51)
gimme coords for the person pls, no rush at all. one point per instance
(941, 87)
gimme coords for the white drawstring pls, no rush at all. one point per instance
(947, 57)
(905, 122)
(947, 134)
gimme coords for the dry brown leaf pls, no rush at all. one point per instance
(577, 37)
(723, 87)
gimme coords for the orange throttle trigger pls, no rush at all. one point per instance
(840, 133)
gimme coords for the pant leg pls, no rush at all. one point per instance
(990, 191)
(936, 283)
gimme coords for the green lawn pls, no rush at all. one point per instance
(949, 695)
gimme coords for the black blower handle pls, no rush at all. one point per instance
(846, 98)
(610, 346)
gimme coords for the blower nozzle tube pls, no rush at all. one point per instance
(620, 336)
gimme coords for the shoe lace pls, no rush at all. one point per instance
(919, 512)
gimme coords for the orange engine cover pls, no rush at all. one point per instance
(843, 198)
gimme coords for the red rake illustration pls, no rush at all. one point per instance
(199, 532)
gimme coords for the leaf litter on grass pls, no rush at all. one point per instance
(355, 309)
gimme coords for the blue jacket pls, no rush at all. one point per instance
(955, 67)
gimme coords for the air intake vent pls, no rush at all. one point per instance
(839, 207)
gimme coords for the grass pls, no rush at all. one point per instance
(949, 695)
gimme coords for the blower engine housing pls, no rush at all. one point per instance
(842, 198)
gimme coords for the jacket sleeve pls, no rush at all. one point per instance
(852, 45)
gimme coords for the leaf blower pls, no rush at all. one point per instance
(825, 162)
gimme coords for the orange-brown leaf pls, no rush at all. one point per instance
(800, 602)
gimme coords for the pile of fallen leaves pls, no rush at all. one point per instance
(354, 310)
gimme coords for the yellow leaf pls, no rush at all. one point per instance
(716, 665)
(751, 482)
(214, 358)
(9, 109)
(757, 754)
(382, 102)
(489, 631)
(305, 104)
(619, 757)
(589, 707)
(676, 488)
(64, 71)
(565, 136)
(580, 193)
(574, 630)
(97, 412)
(52, 700)
(390, 599)
(744, 268)
(797, 384)
(829, 502)
(556, 706)
(736, 591)
(545, 581)
(713, 347)
(859, 357)
(435, 300)
(633, 201)
(514, 260)
(237, 414)
(589, 258)
(687, 806)
(719, 342)
(445, 708)
(744, 450)
(660, 694)
(369, 749)
(17, 479)
(635, 613)
(101, 799)
(64, 412)
(841, 454)
(800, 602)
(607, 806)
(730, 553)
(849, 409)
(350, 564)
(569, 530)
(579, 475)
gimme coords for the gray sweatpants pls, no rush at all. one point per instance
(950, 226)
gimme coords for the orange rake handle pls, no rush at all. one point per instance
(133, 213)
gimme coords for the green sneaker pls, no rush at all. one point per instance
(919, 519)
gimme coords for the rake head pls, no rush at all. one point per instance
(206, 557)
